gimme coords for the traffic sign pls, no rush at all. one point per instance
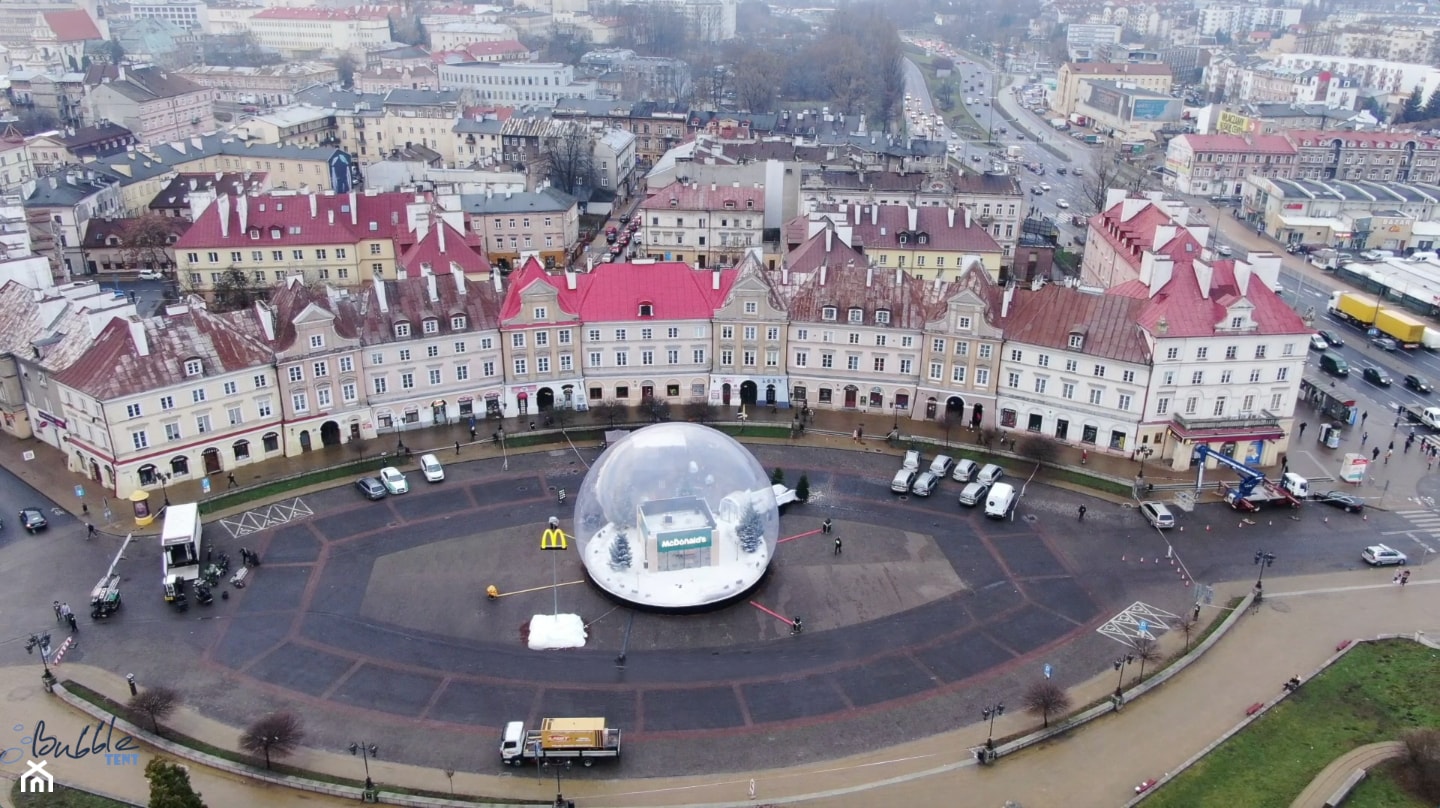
(79, 492)
(1144, 627)
(204, 485)
(1047, 670)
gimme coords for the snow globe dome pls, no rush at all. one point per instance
(674, 516)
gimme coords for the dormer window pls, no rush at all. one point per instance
(1237, 322)
(904, 239)
(431, 326)
(402, 329)
(749, 204)
(857, 316)
(275, 233)
(923, 238)
(674, 203)
(828, 313)
(1077, 341)
(882, 317)
(647, 310)
(457, 323)
(194, 367)
(729, 204)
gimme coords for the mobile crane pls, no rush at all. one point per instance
(1253, 488)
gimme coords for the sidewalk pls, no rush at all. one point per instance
(830, 429)
(1295, 632)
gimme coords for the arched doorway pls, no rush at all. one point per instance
(329, 433)
(725, 394)
(851, 393)
(304, 440)
(955, 407)
(211, 457)
(544, 399)
(770, 394)
(976, 414)
(179, 465)
(931, 406)
(749, 393)
(94, 470)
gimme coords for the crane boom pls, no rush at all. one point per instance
(1250, 479)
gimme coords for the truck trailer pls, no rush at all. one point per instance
(1356, 309)
(1401, 327)
(1365, 311)
(583, 739)
(180, 546)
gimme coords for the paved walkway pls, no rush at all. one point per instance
(1333, 778)
(1302, 621)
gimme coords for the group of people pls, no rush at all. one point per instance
(63, 615)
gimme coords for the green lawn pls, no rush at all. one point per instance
(1380, 789)
(62, 798)
(1376, 693)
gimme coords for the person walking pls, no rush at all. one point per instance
(1404, 578)
(457, 448)
(1082, 513)
(230, 481)
(74, 627)
(1374, 454)
(1364, 439)
(65, 612)
(837, 545)
(89, 532)
(1388, 452)
(59, 618)
(1303, 424)
(1363, 416)
(826, 527)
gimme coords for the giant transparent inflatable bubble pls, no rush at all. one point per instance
(676, 515)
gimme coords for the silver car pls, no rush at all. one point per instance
(925, 484)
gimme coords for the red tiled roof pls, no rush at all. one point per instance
(72, 26)
(933, 222)
(1049, 316)
(676, 291)
(114, 367)
(408, 301)
(706, 197)
(269, 216)
(293, 296)
(463, 251)
(869, 289)
(1188, 313)
(529, 274)
(1258, 144)
(99, 230)
(479, 50)
(1132, 237)
(813, 253)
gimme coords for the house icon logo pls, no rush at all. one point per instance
(36, 780)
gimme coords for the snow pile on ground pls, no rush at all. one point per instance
(551, 631)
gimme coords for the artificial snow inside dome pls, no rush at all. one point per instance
(676, 515)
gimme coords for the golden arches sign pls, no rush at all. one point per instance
(553, 539)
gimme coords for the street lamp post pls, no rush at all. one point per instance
(1120, 664)
(1263, 560)
(366, 751)
(164, 493)
(557, 766)
(990, 713)
(41, 641)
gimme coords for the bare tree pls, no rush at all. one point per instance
(1107, 171)
(757, 81)
(1422, 758)
(1188, 623)
(234, 291)
(450, 775)
(988, 435)
(572, 159)
(145, 242)
(1045, 698)
(156, 702)
(1146, 650)
(273, 735)
(700, 410)
(1039, 448)
(609, 410)
(657, 408)
(950, 419)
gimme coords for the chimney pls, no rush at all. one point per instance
(380, 293)
(330, 217)
(137, 336)
(715, 279)
(195, 141)
(1006, 300)
(900, 277)
(242, 210)
(950, 216)
(874, 215)
(569, 280)
(313, 203)
(1203, 273)
(120, 72)
(266, 316)
(496, 281)
(440, 231)
(1242, 277)
(824, 270)
(828, 234)
(459, 275)
(913, 214)
(869, 274)
(785, 274)
(430, 287)
(354, 211)
(222, 206)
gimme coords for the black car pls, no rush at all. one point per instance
(370, 488)
(1340, 499)
(32, 519)
(1332, 338)
(1416, 383)
(1376, 377)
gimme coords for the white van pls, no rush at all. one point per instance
(1001, 501)
(965, 470)
(431, 468)
(973, 494)
(912, 460)
(991, 474)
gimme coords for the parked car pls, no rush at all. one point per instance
(1331, 337)
(912, 459)
(1376, 377)
(393, 480)
(431, 468)
(965, 470)
(151, 275)
(1380, 555)
(1339, 499)
(990, 474)
(32, 519)
(904, 478)
(1416, 383)
(973, 494)
(942, 465)
(925, 484)
(370, 488)
(1157, 515)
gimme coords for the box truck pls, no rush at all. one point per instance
(583, 739)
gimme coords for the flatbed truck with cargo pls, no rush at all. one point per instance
(582, 739)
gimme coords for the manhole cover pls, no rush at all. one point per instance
(1030, 517)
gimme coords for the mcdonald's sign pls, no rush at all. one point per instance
(553, 539)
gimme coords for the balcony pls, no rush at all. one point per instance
(1262, 421)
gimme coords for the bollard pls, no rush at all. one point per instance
(130, 680)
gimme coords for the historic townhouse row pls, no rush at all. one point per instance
(1188, 351)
